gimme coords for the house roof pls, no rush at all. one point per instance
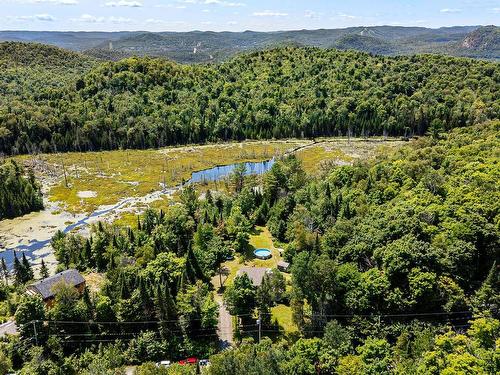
(256, 274)
(45, 287)
(283, 264)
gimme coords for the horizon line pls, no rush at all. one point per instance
(244, 31)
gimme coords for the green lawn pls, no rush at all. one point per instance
(283, 315)
(261, 238)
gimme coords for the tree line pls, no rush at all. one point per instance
(19, 191)
(277, 93)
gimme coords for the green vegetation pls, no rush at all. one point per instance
(114, 175)
(393, 272)
(19, 194)
(281, 93)
(393, 257)
(473, 41)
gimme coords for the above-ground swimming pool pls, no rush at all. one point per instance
(263, 254)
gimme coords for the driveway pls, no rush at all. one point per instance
(225, 326)
(8, 328)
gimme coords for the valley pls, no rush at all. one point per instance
(319, 200)
(81, 189)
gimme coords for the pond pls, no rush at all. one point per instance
(223, 171)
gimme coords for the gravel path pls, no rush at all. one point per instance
(225, 326)
(8, 328)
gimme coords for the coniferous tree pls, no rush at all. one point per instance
(27, 270)
(5, 271)
(18, 271)
(44, 271)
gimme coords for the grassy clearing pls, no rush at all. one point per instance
(341, 151)
(113, 175)
(103, 178)
(261, 238)
(283, 315)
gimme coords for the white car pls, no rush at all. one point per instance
(164, 364)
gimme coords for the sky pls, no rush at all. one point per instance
(240, 15)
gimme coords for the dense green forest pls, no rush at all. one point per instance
(394, 271)
(19, 194)
(284, 92)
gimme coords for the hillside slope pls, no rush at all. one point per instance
(279, 93)
(197, 46)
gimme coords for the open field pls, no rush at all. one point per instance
(82, 182)
(103, 178)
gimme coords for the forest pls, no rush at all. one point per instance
(393, 271)
(79, 104)
(19, 191)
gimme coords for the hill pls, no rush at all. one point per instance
(197, 46)
(366, 43)
(278, 93)
(484, 41)
(40, 55)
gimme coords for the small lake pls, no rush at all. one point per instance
(223, 171)
(207, 175)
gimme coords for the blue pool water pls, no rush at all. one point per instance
(263, 253)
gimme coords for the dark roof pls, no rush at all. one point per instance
(256, 274)
(45, 287)
(283, 264)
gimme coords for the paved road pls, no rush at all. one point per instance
(225, 326)
(8, 328)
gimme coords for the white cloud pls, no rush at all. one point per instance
(450, 10)
(52, 2)
(345, 16)
(87, 18)
(37, 17)
(223, 3)
(124, 3)
(232, 23)
(171, 6)
(113, 19)
(312, 14)
(156, 21)
(270, 13)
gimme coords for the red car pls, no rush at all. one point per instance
(189, 361)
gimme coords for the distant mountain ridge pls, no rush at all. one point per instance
(198, 46)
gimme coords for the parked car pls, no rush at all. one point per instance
(204, 362)
(163, 364)
(189, 361)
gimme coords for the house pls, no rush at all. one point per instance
(283, 266)
(45, 288)
(256, 274)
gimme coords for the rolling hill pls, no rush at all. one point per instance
(201, 47)
(283, 92)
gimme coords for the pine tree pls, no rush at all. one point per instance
(87, 253)
(193, 261)
(18, 270)
(5, 272)
(27, 270)
(44, 271)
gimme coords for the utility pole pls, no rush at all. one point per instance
(259, 322)
(34, 329)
